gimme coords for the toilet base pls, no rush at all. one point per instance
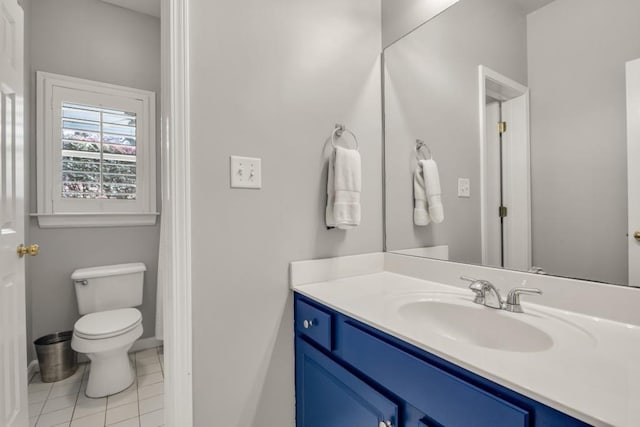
(109, 373)
(110, 370)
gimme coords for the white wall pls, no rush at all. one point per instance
(402, 16)
(270, 79)
(97, 41)
(431, 93)
(578, 141)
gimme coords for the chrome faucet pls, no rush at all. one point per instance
(489, 296)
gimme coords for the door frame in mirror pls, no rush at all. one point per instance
(517, 244)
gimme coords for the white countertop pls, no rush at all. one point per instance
(592, 371)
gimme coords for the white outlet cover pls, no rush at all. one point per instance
(464, 187)
(245, 172)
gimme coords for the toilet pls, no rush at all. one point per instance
(109, 324)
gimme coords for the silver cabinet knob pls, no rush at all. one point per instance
(385, 424)
(307, 324)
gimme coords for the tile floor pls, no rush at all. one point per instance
(64, 404)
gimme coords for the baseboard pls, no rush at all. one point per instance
(32, 369)
(145, 343)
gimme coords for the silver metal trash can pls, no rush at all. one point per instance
(56, 358)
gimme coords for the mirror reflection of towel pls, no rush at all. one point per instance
(427, 194)
(344, 184)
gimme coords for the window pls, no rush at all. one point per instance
(96, 153)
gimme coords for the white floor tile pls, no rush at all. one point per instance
(143, 370)
(39, 386)
(152, 419)
(95, 420)
(35, 408)
(152, 352)
(64, 389)
(55, 418)
(87, 406)
(131, 422)
(122, 413)
(57, 403)
(122, 398)
(151, 405)
(150, 391)
(150, 379)
(64, 404)
(147, 361)
(38, 396)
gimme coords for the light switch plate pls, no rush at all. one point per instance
(246, 172)
(464, 187)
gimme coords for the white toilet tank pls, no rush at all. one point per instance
(109, 287)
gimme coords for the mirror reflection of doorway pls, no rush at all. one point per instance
(505, 174)
(633, 154)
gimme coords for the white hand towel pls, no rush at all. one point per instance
(420, 214)
(344, 184)
(432, 186)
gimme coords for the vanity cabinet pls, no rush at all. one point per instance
(351, 375)
(329, 395)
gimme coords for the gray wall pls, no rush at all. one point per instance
(431, 93)
(402, 16)
(97, 41)
(269, 79)
(578, 141)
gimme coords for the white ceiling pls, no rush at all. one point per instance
(530, 5)
(148, 7)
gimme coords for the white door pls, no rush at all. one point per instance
(493, 236)
(516, 183)
(633, 170)
(505, 172)
(13, 358)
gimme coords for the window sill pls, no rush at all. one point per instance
(83, 220)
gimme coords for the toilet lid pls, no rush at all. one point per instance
(105, 324)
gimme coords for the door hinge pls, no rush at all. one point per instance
(502, 127)
(502, 211)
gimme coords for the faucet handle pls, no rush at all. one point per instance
(513, 298)
(478, 287)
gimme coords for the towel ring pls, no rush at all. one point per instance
(420, 145)
(338, 131)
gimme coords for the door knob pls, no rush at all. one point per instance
(27, 250)
(636, 235)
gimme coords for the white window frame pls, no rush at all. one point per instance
(54, 211)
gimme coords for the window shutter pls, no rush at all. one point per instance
(98, 153)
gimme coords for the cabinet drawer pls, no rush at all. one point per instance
(314, 323)
(443, 397)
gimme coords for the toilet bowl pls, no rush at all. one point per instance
(106, 337)
(109, 325)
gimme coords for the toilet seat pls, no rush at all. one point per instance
(107, 324)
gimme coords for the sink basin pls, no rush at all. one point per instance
(474, 324)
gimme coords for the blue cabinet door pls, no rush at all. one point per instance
(327, 395)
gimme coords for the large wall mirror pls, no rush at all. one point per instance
(529, 109)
